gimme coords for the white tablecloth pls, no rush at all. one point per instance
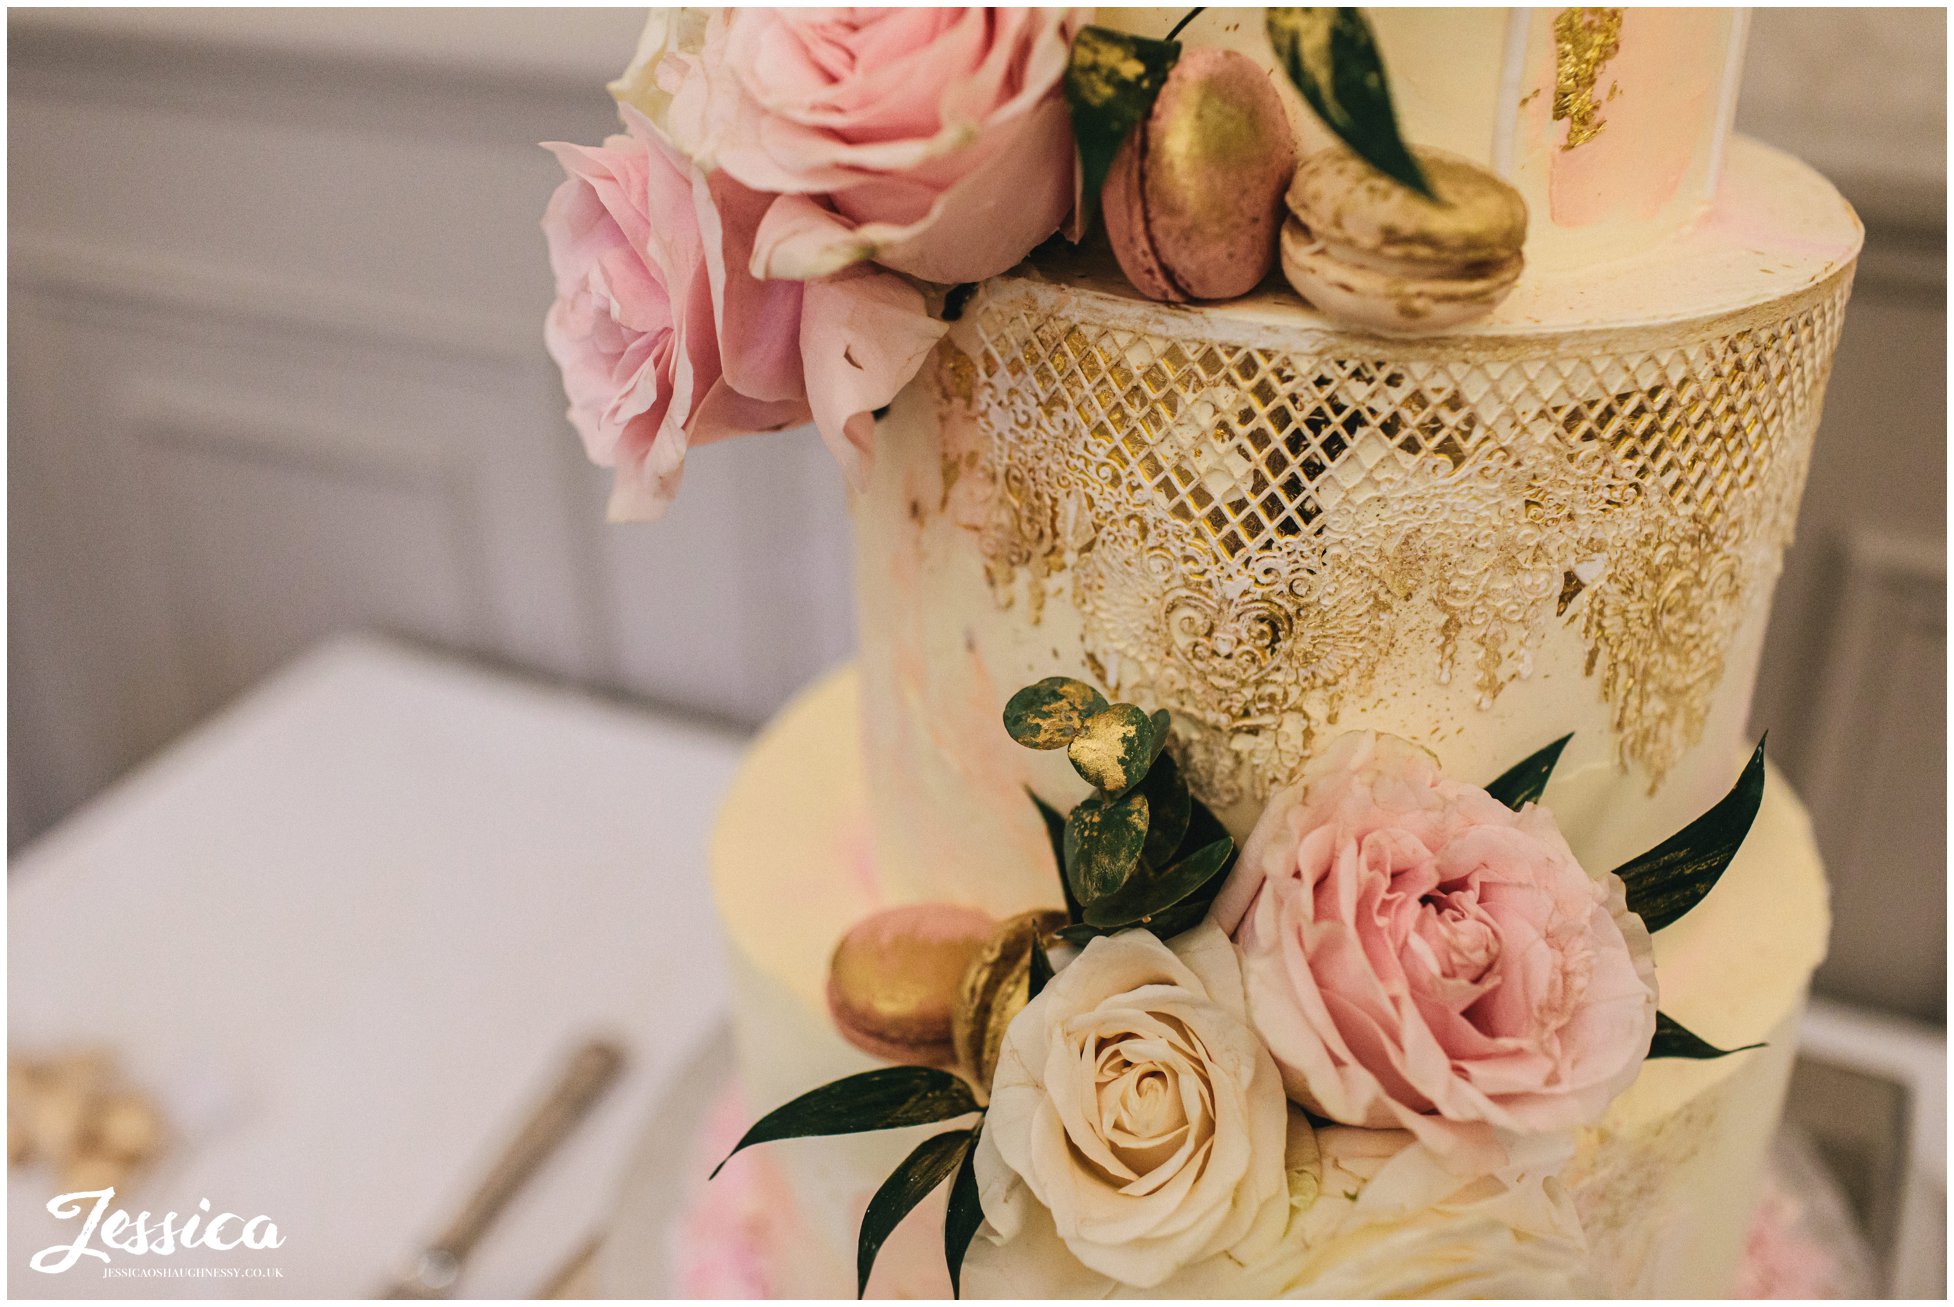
(344, 934)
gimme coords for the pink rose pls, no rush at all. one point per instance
(666, 340)
(1417, 954)
(933, 141)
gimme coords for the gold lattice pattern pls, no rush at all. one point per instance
(1248, 532)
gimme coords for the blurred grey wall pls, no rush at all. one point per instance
(275, 369)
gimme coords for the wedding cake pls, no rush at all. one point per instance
(1290, 828)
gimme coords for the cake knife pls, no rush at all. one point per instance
(588, 1074)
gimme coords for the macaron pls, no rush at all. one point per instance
(892, 981)
(1375, 254)
(1194, 198)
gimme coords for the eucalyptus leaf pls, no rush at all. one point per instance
(1148, 895)
(1055, 831)
(1110, 86)
(1049, 714)
(929, 1166)
(1671, 1040)
(1169, 807)
(1675, 875)
(874, 1100)
(963, 1217)
(1525, 781)
(1114, 748)
(1331, 56)
(1103, 839)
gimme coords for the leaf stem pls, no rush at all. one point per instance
(1186, 18)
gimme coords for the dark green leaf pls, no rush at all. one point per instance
(1163, 726)
(1049, 714)
(1055, 830)
(1039, 974)
(1525, 781)
(874, 1100)
(1103, 839)
(929, 1166)
(1148, 895)
(1671, 1040)
(964, 1216)
(1110, 86)
(1114, 748)
(1332, 58)
(1674, 876)
(1078, 933)
(1169, 806)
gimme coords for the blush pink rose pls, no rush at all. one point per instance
(932, 141)
(1417, 954)
(666, 340)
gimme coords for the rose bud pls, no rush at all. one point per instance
(1194, 198)
(892, 981)
(1372, 253)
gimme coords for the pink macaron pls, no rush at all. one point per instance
(1194, 200)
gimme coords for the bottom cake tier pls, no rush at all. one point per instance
(1665, 1185)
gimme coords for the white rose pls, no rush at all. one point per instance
(1394, 1222)
(1135, 1116)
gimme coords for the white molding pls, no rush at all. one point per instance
(74, 276)
(1890, 589)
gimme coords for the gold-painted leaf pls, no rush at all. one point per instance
(995, 988)
(1103, 839)
(1331, 56)
(1114, 748)
(1049, 714)
(1110, 86)
(1675, 875)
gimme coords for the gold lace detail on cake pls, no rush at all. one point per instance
(1250, 536)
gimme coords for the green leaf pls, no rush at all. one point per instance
(1525, 781)
(964, 1216)
(1146, 896)
(1079, 933)
(1332, 58)
(1039, 974)
(929, 1166)
(1671, 1040)
(874, 1100)
(1115, 748)
(1110, 87)
(1049, 714)
(1055, 830)
(1103, 839)
(1163, 726)
(1169, 806)
(1674, 876)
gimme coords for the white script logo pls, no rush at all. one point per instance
(136, 1235)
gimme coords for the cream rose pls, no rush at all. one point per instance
(1134, 1114)
(1417, 954)
(1395, 1221)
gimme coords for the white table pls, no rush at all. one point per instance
(345, 932)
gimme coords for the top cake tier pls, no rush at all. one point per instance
(1611, 123)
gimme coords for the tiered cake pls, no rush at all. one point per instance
(1567, 516)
